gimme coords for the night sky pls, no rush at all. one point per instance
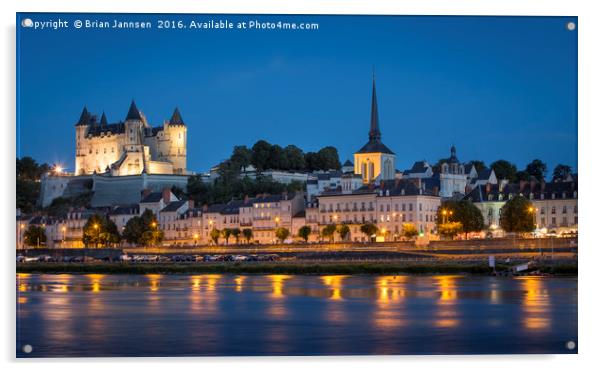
(496, 87)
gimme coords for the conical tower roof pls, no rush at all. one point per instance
(176, 118)
(84, 118)
(133, 113)
(103, 120)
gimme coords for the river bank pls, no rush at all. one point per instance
(404, 267)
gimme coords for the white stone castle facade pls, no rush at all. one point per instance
(130, 147)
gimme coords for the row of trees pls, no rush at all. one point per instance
(265, 156)
(100, 231)
(455, 217)
(506, 170)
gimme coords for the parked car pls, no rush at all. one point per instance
(20, 259)
(31, 259)
(46, 259)
(239, 258)
(125, 258)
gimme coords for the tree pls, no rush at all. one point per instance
(329, 158)
(369, 230)
(215, 234)
(343, 231)
(517, 215)
(35, 235)
(504, 170)
(328, 232)
(537, 169)
(304, 232)
(226, 233)
(260, 155)
(561, 172)
(463, 211)
(294, 157)
(29, 173)
(282, 234)
(241, 156)
(450, 229)
(143, 229)
(409, 231)
(236, 234)
(478, 165)
(522, 175)
(248, 234)
(100, 231)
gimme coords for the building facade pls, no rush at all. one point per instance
(129, 147)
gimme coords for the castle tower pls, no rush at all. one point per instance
(81, 131)
(374, 161)
(176, 131)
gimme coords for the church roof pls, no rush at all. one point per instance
(374, 144)
(176, 118)
(348, 163)
(133, 113)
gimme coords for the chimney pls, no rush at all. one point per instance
(145, 192)
(205, 207)
(382, 184)
(521, 185)
(166, 195)
(488, 188)
(246, 199)
(397, 181)
(533, 184)
(191, 204)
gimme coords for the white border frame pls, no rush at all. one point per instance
(590, 121)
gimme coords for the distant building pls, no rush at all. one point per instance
(374, 161)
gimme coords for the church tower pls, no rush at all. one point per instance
(374, 161)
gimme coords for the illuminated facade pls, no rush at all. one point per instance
(131, 147)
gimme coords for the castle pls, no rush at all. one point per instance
(132, 147)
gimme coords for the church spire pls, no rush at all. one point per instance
(133, 113)
(374, 135)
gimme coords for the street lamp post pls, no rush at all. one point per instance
(63, 229)
(97, 234)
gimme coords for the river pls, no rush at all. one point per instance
(221, 315)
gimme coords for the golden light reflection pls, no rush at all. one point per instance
(155, 280)
(278, 284)
(335, 284)
(96, 281)
(196, 283)
(494, 293)
(22, 287)
(447, 315)
(389, 299)
(535, 304)
(22, 300)
(277, 308)
(239, 282)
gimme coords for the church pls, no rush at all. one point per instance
(374, 161)
(130, 147)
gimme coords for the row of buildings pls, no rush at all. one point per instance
(388, 204)
(142, 162)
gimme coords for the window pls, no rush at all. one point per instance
(564, 209)
(553, 210)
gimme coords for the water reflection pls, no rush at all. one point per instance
(446, 315)
(535, 304)
(283, 314)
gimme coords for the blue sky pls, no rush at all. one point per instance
(496, 87)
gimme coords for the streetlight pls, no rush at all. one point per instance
(97, 233)
(63, 229)
(196, 237)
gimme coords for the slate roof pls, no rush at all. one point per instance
(176, 118)
(126, 210)
(133, 113)
(173, 206)
(497, 193)
(374, 144)
(348, 163)
(418, 167)
(484, 174)
(152, 197)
